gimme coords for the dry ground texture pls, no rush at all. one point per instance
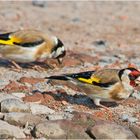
(96, 35)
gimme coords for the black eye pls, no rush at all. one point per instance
(132, 77)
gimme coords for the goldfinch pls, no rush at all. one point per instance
(105, 84)
(26, 46)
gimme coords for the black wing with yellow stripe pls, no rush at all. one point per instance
(82, 77)
(22, 39)
(91, 77)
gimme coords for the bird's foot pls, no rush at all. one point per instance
(97, 103)
(16, 67)
(104, 107)
(38, 68)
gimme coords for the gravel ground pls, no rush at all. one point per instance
(96, 35)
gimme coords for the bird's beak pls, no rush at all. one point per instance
(60, 57)
(60, 60)
(137, 81)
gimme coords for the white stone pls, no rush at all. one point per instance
(109, 130)
(4, 96)
(18, 94)
(40, 109)
(20, 119)
(10, 131)
(49, 129)
(14, 105)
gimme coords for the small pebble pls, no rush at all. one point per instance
(126, 117)
(76, 19)
(18, 94)
(64, 103)
(69, 109)
(136, 95)
(39, 3)
(100, 43)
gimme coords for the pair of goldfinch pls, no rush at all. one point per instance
(104, 85)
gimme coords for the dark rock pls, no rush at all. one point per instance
(39, 3)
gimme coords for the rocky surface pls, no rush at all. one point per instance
(62, 129)
(107, 35)
(14, 105)
(40, 109)
(21, 119)
(110, 131)
(10, 131)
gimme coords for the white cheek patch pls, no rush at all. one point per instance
(59, 51)
(55, 40)
(127, 72)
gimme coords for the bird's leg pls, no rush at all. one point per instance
(97, 103)
(17, 67)
(38, 68)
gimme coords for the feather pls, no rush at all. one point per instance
(6, 39)
(78, 76)
(21, 38)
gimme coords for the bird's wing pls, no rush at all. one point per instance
(81, 77)
(22, 38)
(106, 77)
(102, 78)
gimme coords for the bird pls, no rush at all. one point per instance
(29, 45)
(104, 84)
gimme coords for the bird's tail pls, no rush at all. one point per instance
(73, 76)
(60, 77)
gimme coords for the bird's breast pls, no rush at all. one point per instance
(119, 92)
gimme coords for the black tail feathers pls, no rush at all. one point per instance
(57, 78)
(86, 74)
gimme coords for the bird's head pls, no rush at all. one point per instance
(58, 51)
(130, 76)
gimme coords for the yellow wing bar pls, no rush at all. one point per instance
(89, 81)
(10, 41)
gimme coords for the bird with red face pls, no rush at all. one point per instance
(104, 85)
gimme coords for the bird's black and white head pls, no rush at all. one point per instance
(130, 76)
(58, 51)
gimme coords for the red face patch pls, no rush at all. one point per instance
(133, 84)
(133, 76)
(135, 73)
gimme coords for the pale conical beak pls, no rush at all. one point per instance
(137, 81)
(60, 57)
(60, 60)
